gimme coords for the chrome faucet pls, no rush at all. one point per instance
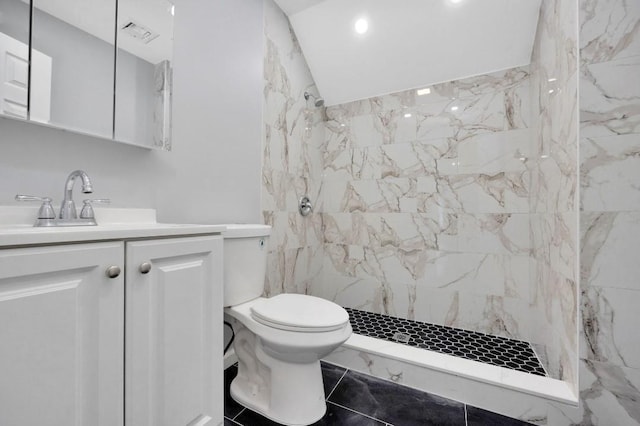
(68, 208)
(68, 215)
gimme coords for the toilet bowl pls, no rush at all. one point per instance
(279, 341)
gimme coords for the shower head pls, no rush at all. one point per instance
(317, 101)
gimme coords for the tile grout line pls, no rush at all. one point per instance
(231, 420)
(361, 321)
(358, 412)
(344, 407)
(236, 423)
(337, 383)
(236, 416)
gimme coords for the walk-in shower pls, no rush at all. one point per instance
(446, 211)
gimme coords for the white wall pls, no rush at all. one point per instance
(76, 102)
(213, 173)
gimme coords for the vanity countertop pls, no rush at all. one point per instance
(16, 227)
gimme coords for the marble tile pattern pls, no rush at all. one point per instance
(425, 203)
(163, 95)
(459, 207)
(505, 401)
(357, 399)
(606, 395)
(609, 211)
(292, 162)
(428, 215)
(609, 216)
(554, 188)
(435, 208)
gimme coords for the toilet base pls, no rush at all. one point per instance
(285, 392)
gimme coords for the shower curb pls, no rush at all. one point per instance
(501, 390)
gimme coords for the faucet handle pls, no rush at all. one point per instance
(87, 208)
(46, 209)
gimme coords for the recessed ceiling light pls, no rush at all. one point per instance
(407, 115)
(362, 26)
(454, 108)
(422, 92)
(455, 1)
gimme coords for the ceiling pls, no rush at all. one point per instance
(409, 43)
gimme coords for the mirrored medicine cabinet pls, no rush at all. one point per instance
(96, 67)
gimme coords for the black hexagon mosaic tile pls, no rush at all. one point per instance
(494, 350)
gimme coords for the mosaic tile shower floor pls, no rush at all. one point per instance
(494, 350)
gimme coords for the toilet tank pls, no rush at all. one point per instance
(245, 262)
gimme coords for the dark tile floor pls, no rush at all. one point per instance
(357, 399)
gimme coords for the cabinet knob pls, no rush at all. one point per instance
(145, 267)
(113, 271)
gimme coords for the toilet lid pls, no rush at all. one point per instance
(299, 312)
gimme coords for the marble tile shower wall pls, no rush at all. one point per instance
(554, 180)
(425, 204)
(609, 172)
(610, 210)
(292, 162)
(446, 201)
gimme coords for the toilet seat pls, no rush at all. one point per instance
(299, 313)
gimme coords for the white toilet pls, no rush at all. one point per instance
(278, 341)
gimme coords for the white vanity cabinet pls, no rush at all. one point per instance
(171, 316)
(61, 335)
(141, 348)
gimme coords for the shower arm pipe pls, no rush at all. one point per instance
(317, 100)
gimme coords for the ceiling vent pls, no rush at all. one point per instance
(139, 32)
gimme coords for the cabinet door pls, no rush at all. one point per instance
(61, 335)
(173, 340)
